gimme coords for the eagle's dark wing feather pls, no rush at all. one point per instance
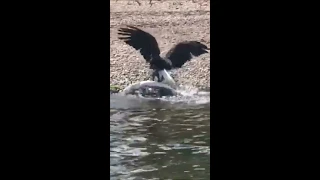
(181, 53)
(140, 40)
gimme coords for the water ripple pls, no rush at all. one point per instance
(159, 140)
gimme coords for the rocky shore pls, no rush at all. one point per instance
(170, 22)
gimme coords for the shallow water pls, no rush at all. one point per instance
(160, 139)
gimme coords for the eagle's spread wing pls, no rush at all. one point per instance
(181, 53)
(140, 40)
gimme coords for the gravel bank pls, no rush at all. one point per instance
(170, 22)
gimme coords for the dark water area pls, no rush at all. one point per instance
(159, 139)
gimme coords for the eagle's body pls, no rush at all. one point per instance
(149, 49)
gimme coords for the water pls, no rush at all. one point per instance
(160, 139)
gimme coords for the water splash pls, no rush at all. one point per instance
(188, 96)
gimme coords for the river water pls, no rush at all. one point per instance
(160, 139)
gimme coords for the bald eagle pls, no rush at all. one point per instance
(149, 49)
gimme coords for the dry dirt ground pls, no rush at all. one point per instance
(170, 22)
